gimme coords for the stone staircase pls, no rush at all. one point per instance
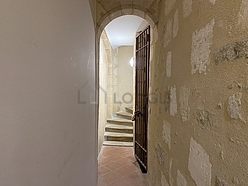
(119, 130)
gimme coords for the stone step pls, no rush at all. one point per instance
(118, 128)
(118, 143)
(115, 136)
(129, 110)
(125, 115)
(120, 121)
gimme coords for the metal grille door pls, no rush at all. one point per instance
(141, 96)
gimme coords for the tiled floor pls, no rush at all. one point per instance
(118, 167)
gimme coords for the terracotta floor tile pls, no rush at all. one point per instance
(126, 170)
(107, 152)
(103, 170)
(130, 157)
(134, 175)
(124, 161)
(113, 157)
(114, 165)
(104, 162)
(117, 166)
(121, 182)
(143, 183)
(110, 177)
(101, 160)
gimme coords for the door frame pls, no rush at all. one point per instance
(142, 67)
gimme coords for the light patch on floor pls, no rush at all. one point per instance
(184, 93)
(181, 181)
(163, 180)
(167, 133)
(168, 64)
(171, 181)
(173, 101)
(168, 33)
(176, 24)
(187, 7)
(201, 42)
(199, 165)
(243, 14)
(169, 4)
(234, 106)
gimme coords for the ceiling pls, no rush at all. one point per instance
(121, 31)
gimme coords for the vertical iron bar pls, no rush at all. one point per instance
(141, 96)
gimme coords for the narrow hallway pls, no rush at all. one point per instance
(117, 166)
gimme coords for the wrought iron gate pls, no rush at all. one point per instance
(141, 96)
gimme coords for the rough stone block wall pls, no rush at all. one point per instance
(198, 133)
(107, 10)
(199, 136)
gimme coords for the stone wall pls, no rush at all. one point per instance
(113, 73)
(115, 81)
(108, 10)
(198, 73)
(125, 76)
(199, 135)
(119, 78)
(105, 55)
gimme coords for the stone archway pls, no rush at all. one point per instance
(114, 13)
(125, 10)
(128, 9)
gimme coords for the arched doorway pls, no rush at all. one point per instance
(117, 12)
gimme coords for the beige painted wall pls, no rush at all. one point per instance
(47, 54)
(113, 105)
(103, 83)
(115, 80)
(119, 78)
(125, 76)
(198, 128)
(92, 4)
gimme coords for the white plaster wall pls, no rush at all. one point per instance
(125, 76)
(144, 24)
(46, 55)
